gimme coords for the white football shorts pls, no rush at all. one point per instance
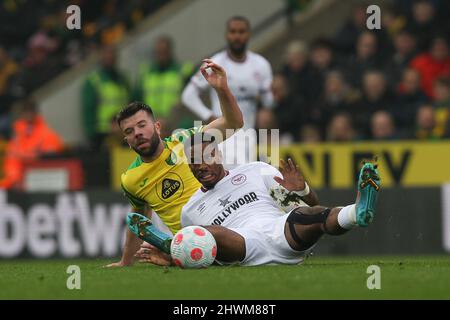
(265, 243)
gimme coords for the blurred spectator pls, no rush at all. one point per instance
(40, 65)
(346, 37)
(423, 22)
(341, 129)
(426, 124)
(322, 56)
(310, 134)
(376, 96)
(409, 97)
(322, 60)
(8, 69)
(301, 77)
(382, 126)
(432, 64)
(161, 81)
(391, 21)
(289, 109)
(365, 58)
(104, 93)
(32, 139)
(442, 105)
(338, 96)
(404, 51)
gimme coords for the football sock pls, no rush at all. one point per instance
(347, 217)
(159, 239)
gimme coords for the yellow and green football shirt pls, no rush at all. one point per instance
(165, 184)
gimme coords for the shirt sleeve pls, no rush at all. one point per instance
(191, 97)
(135, 202)
(185, 134)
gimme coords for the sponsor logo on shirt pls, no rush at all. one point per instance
(170, 187)
(224, 202)
(234, 206)
(201, 207)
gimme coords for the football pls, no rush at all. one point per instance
(193, 247)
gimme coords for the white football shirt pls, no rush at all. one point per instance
(249, 81)
(241, 199)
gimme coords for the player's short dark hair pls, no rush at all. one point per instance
(198, 138)
(238, 18)
(131, 109)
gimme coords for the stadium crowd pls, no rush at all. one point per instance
(384, 84)
(360, 84)
(36, 44)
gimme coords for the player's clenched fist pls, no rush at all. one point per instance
(217, 78)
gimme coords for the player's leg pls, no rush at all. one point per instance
(305, 225)
(143, 227)
(230, 244)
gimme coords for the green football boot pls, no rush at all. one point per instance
(369, 183)
(145, 230)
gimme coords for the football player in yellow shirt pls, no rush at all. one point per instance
(160, 180)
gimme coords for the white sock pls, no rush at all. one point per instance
(347, 217)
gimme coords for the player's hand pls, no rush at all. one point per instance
(118, 264)
(211, 119)
(150, 254)
(293, 179)
(217, 78)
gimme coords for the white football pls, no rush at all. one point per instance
(193, 247)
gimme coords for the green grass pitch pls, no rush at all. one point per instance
(425, 277)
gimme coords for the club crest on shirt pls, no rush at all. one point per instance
(238, 179)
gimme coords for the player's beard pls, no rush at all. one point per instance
(237, 49)
(149, 152)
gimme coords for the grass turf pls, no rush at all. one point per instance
(405, 277)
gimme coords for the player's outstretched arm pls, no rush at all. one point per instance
(231, 113)
(132, 245)
(293, 180)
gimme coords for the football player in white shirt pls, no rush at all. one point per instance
(249, 78)
(258, 215)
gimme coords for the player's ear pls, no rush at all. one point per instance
(158, 127)
(125, 139)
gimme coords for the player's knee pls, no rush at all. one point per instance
(308, 215)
